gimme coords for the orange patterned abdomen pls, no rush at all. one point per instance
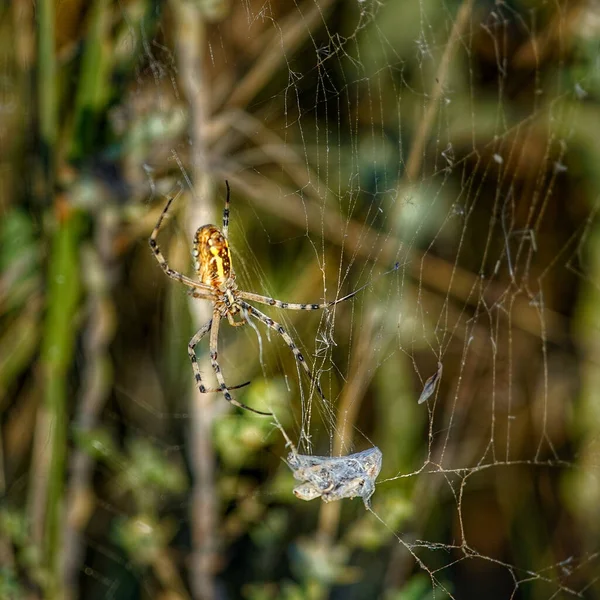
(212, 256)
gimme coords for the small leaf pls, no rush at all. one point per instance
(431, 384)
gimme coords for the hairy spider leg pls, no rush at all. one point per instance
(214, 342)
(162, 261)
(287, 339)
(225, 228)
(192, 353)
(194, 360)
(298, 306)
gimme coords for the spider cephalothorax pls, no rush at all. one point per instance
(216, 283)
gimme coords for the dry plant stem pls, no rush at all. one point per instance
(96, 385)
(357, 240)
(413, 164)
(167, 573)
(267, 144)
(285, 41)
(19, 345)
(24, 26)
(542, 43)
(97, 376)
(361, 373)
(191, 41)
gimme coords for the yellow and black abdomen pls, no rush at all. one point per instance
(212, 256)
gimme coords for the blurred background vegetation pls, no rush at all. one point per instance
(458, 138)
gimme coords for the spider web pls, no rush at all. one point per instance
(453, 139)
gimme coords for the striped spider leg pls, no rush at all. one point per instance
(216, 283)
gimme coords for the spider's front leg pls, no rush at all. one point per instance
(307, 306)
(198, 287)
(214, 340)
(235, 323)
(288, 340)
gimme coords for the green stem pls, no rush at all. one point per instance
(57, 356)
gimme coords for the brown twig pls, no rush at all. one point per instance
(96, 387)
(413, 164)
(234, 127)
(285, 40)
(191, 41)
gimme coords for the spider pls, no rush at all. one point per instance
(216, 283)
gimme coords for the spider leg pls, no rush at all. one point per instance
(194, 360)
(225, 228)
(214, 339)
(235, 323)
(162, 261)
(296, 306)
(293, 305)
(200, 295)
(192, 353)
(288, 340)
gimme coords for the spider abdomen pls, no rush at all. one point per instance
(212, 257)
